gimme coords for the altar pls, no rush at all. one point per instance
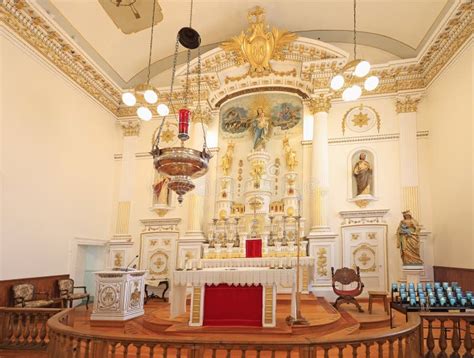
(225, 296)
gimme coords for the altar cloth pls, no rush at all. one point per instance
(253, 248)
(229, 305)
(200, 280)
(235, 276)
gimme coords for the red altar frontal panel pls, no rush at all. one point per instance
(253, 248)
(229, 305)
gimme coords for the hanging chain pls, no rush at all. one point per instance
(199, 100)
(186, 86)
(355, 31)
(151, 42)
(191, 14)
(170, 101)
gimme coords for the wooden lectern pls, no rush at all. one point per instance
(118, 295)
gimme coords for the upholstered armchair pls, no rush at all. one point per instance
(343, 277)
(24, 295)
(66, 292)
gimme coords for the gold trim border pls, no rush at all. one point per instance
(20, 17)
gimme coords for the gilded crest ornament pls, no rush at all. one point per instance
(257, 46)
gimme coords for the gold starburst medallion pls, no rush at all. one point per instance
(360, 120)
(168, 135)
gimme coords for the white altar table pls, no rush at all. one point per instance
(307, 264)
(235, 278)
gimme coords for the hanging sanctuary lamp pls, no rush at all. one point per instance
(181, 164)
(349, 80)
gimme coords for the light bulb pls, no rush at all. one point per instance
(129, 99)
(362, 69)
(150, 96)
(347, 94)
(371, 83)
(144, 113)
(162, 109)
(356, 92)
(337, 82)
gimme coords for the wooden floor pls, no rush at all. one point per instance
(324, 321)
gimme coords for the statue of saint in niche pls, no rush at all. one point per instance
(363, 175)
(409, 240)
(261, 126)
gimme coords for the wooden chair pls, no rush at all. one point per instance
(66, 292)
(346, 276)
(24, 295)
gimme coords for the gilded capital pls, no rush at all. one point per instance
(130, 127)
(407, 104)
(201, 114)
(322, 103)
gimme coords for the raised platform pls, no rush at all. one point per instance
(324, 321)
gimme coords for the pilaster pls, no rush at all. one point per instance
(121, 241)
(406, 108)
(320, 106)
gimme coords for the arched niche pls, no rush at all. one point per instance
(362, 170)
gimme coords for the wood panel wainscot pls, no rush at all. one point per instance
(463, 276)
(47, 284)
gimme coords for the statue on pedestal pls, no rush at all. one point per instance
(409, 240)
(226, 161)
(290, 155)
(261, 126)
(363, 175)
(161, 191)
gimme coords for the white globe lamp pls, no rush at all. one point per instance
(337, 82)
(371, 83)
(150, 96)
(144, 113)
(129, 99)
(162, 109)
(362, 69)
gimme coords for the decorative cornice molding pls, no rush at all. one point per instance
(319, 62)
(161, 225)
(361, 217)
(365, 139)
(322, 103)
(31, 27)
(407, 104)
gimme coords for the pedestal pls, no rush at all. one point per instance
(413, 273)
(119, 295)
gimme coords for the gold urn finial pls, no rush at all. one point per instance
(256, 15)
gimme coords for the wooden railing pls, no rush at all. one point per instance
(25, 328)
(448, 334)
(66, 341)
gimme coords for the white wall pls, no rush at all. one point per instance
(448, 110)
(57, 166)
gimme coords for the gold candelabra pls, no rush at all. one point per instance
(299, 320)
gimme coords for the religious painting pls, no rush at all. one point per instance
(260, 114)
(362, 173)
(360, 119)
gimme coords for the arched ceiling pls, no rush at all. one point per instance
(397, 29)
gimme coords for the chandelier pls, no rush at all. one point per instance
(144, 95)
(354, 74)
(181, 164)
